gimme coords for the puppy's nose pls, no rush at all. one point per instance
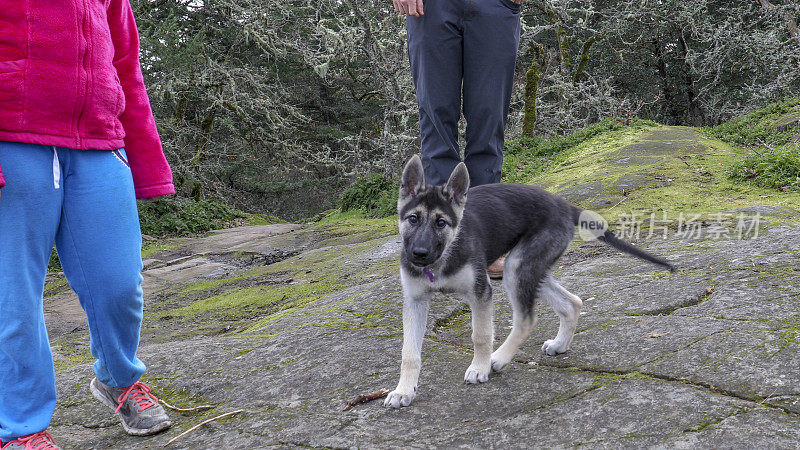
(419, 253)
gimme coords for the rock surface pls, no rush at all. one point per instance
(286, 322)
(706, 356)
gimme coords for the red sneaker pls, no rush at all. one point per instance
(36, 441)
(137, 408)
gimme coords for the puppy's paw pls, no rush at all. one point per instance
(553, 347)
(398, 398)
(475, 375)
(499, 361)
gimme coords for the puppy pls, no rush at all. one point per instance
(452, 233)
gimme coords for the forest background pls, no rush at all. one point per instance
(277, 107)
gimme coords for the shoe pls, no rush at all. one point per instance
(495, 271)
(138, 409)
(36, 441)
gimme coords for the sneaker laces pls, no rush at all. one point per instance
(36, 441)
(140, 393)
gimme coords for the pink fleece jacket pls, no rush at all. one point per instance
(70, 77)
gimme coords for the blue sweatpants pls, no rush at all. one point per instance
(467, 46)
(84, 201)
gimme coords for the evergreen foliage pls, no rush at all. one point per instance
(183, 217)
(277, 106)
(773, 168)
(374, 195)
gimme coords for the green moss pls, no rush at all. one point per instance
(259, 300)
(243, 352)
(456, 318)
(351, 221)
(74, 352)
(267, 293)
(710, 420)
(341, 324)
(76, 355)
(55, 287)
(180, 398)
(664, 169)
(626, 376)
(382, 267)
(218, 283)
(529, 156)
(759, 127)
(152, 248)
(260, 219)
(788, 332)
(532, 77)
(343, 228)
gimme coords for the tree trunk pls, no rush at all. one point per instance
(532, 77)
(666, 91)
(694, 113)
(561, 35)
(584, 59)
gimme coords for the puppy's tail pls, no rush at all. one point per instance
(609, 238)
(596, 226)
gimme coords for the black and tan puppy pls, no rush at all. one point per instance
(451, 233)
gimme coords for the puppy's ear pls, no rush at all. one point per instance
(413, 179)
(457, 185)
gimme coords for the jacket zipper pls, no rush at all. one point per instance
(85, 99)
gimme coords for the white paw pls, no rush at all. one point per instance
(398, 398)
(553, 347)
(475, 375)
(499, 361)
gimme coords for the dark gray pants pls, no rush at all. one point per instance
(468, 45)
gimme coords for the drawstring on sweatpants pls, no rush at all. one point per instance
(56, 170)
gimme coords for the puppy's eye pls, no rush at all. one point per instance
(441, 223)
(413, 219)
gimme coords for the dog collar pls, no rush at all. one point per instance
(430, 274)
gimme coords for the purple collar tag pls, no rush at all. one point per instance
(430, 274)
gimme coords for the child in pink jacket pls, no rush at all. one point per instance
(78, 145)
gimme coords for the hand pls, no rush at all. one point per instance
(409, 7)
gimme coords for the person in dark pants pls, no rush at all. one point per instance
(462, 48)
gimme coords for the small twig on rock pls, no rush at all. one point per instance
(203, 423)
(618, 203)
(364, 398)
(175, 408)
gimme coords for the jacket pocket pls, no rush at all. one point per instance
(11, 94)
(12, 66)
(122, 157)
(513, 6)
(120, 96)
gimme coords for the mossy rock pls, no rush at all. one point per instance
(662, 168)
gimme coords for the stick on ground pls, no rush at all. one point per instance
(175, 408)
(364, 398)
(203, 423)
